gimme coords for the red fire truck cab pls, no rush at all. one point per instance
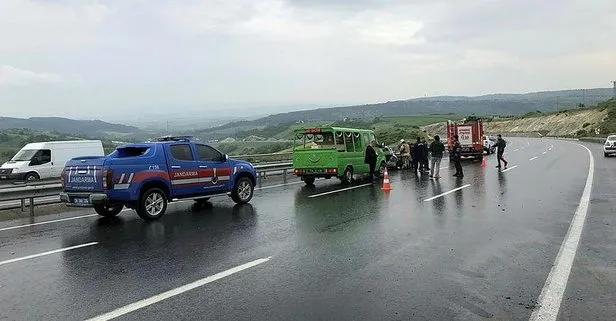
(470, 134)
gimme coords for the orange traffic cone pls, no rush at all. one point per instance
(386, 184)
(483, 161)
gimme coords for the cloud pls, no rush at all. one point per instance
(36, 26)
(131, 55)
(11, 76)
(281, 20)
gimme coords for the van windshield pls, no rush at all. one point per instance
(316, 140)
(24, 155)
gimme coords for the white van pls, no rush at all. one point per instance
(47, 159)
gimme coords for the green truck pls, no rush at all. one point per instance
(327, 152)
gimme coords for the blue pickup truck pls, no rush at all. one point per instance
(147, 176)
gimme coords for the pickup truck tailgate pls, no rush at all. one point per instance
(84, 174)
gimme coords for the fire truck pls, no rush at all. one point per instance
(470, 135)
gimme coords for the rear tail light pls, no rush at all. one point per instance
(107, 177)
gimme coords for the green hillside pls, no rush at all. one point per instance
(94, 128)
(486, 105)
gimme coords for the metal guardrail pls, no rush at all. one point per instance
(264, 158)
(47, 189)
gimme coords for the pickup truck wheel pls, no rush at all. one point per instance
(152, 205)
(108, 210)
(242, 191)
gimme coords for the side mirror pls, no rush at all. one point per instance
(382, 145)
(225, 158)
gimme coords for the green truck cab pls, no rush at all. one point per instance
(327, 152)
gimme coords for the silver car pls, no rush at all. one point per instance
(609, 147)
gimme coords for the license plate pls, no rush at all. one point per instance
(312, 171)
(3, 177)
(79, 200)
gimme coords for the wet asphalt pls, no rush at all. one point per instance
(482, 252)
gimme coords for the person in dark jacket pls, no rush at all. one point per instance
(500, 145)
(370, 159)
(417, 155)
(437, 148)
(425, 155)
(457, 155)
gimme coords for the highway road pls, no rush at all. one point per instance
(533, 242)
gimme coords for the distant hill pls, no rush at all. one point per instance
(90, 128)
(493, 104)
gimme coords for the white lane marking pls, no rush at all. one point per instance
(444, 167)
(47, 253)
(515, 150)
(46, 222)
(279, 185)
(52, 221)
(544, 153)
(552, 293)
(510, 168)
(340, 190)
(446, 193)
(171, 293)
(532, 159)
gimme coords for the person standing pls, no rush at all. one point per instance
(405, 153)
(500, 145)
(370, 159)
(457, 154)
(426, 154)
(416, 154)
(437, 148)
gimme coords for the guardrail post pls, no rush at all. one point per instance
(284, 176)
(260, 179)
(23, 205)
(31, 206)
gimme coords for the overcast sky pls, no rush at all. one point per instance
(93, 59)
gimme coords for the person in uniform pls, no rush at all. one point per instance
(405, 153)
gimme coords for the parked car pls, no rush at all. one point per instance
(609, 147)
(147, 176)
